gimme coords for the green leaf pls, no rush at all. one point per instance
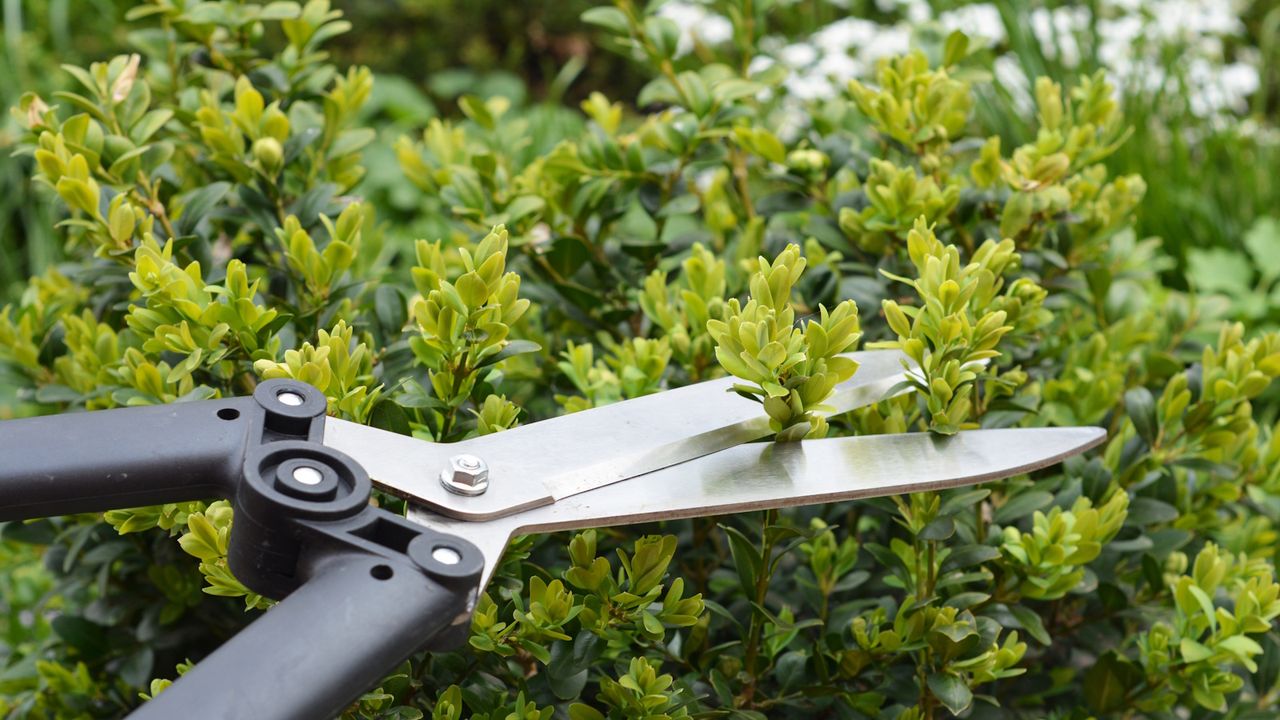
(658, 91)
(149, 124)
(197, 205)
(1206, 605)
(511, 349)
(88, 637)
(474, 107)
(1030, 621)
(578, 711)
(1023, 505)
(1140, 406)
(663, 34)
(1108, 681)
(964, 501)
(951, 691)
(390, 308)
(726, 91)
(1016, 216)
(280, 11)
(570, 662)
(1219, 270)
(387, 415)
(1268, 672)
(609, 18)
(136, 669)
(53, 394)
(791, 668)
(1262, 240)
(940, 529)
(1193, 651)
(523, 206)
(970, 555)
(1145, 511)
(746, 558)
(955, 49)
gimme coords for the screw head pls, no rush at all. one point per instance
(466, 475)
(291, 398)
(308, 475)
(446, 555)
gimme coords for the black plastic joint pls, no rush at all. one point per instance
(293, 409)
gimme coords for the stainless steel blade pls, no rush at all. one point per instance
(539, 463)
(773, 475)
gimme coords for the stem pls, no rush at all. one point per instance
(932, 570)
(749, 32)
(739, 160)
(756, 631)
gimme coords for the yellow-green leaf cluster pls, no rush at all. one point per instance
(792, 370)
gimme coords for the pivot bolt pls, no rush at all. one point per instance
(291, 398)
(446, 555)
(308, 475)
(466, 475)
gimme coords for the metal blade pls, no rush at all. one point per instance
(774, 475)
(540, 463)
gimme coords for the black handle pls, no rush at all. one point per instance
(95, 461)
(363, 588)
(322, 646)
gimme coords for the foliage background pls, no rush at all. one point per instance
(1139, 579)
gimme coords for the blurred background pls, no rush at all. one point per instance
(1198, 80)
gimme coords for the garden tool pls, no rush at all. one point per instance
(361, 588)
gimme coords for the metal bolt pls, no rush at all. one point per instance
(446, 555)
(466, 475)
(307, 475)
(288, 397)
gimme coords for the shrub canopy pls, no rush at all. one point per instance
(715, 224)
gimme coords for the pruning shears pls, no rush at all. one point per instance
(362, 588)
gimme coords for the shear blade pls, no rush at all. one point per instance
(537, 464)
(775, 475)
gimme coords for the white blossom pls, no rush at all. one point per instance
(1013, 79)
(696, 21)
(1131, 39)
(981, 20)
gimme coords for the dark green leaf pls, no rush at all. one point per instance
(1030, 621)
(197, 205)
(1022, 505)
(390, 308)
(512, 348)
(746, 558)
(790, 668)
(1108, 681)
(53, 394)
(940, 529)
(1140, 406)
(136, 669)
(387, 415)
(964, 501)
(609, 18)
(950, 691)
(567, 671)
(87, 637)
(969, 555)
(1145, 511)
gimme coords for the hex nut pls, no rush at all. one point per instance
(466, 475)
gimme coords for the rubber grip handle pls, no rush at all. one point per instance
(329, 641)
(127, 457)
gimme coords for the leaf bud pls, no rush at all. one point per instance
(269, 154)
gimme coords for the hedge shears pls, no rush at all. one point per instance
(362, 588)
